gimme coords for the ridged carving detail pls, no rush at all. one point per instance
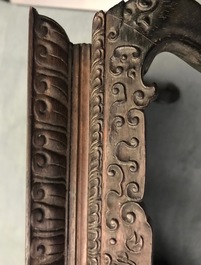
(127, 235)
(96, 139)
(130, 237)
(49, 142)
(140, 13)
(125, 63)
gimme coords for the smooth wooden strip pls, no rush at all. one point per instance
(72, 189)
(83, 147)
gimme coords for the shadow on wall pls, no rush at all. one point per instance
(173, 179)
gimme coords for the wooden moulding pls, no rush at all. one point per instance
(86, 131)
(59, 134)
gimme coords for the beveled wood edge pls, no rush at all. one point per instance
(83, 147)
(96, 123)
(29, 130)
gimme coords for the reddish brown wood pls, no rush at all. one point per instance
(83, 145)
(86, 131)
(78, 186)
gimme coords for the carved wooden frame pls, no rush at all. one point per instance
(86, 131)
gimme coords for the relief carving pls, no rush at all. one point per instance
(124, 61)
(126, 232)
(130, 234)
(116, 174)
(139, 13)
(86, 184)
(96, 139)
(48, 142)
(135, 243)
(145, 15)
(119, 91)
(122, 258)
(113, 34)
(125, 219)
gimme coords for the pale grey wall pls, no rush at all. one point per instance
(173, 187)
(173, 135)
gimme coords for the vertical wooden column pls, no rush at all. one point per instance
(72, 191)
(126, 234)
(118, 232)
(58, 145)
(95, 181)
(77, 191)
(48, 141)
(83, 148)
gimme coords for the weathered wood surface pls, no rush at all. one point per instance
(86, 131)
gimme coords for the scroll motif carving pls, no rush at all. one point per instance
(135, 243)
(122, 258)
(129, 233)
(125, 63)
(85, 184)
(96, 139)
(126, 232)
(139, 13)
(119, 91)
(49, 93)
(126, 223)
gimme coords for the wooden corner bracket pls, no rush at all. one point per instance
(86, 131)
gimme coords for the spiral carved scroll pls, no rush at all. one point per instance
(127, 236)
(49, 142)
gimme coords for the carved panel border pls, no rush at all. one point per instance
(96, 138)
(126, 234)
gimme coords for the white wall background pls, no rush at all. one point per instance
(174, 143)
(78, 4)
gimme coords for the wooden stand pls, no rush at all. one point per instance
(86, 161)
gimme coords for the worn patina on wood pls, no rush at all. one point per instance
(86, 131)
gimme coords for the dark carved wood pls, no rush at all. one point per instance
(86, 131)
(49, 142)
